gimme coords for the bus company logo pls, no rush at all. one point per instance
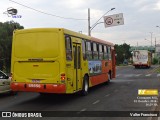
(12, 12)
(20, 114)
(6, 114)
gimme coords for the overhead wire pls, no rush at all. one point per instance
(45, 12)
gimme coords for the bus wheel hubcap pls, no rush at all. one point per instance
(86, 86)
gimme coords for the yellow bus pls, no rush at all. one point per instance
(57, 60)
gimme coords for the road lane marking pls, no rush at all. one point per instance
(138, 75)
(158, 75)
(148, 75)
(129, 75)
(107, 95)
(84, 109)
(96, 102)
(121, 80)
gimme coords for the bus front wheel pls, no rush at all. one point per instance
(85, 86)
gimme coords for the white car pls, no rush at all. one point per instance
(4, 83)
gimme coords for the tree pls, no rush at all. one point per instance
(122, 52)
(6, 33)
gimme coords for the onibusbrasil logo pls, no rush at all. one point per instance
(12, 12)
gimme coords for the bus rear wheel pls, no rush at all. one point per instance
(85, 86)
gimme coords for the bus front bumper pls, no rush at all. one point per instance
(42, 88)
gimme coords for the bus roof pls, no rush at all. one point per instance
(66, 31)
(141, 51)
(88, 37)
(80, 35)
(102, 41)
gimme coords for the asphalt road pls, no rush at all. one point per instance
(119, 95)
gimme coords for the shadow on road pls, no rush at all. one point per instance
(8, 94)
(56, 100)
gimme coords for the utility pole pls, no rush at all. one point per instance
(91, 27)
(89, 31)
(151, 38)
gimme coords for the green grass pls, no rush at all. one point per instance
(158, 70)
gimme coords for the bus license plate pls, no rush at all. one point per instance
(34, 85)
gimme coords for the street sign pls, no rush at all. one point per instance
(113, 20)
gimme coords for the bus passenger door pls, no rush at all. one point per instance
(77, 66)
(113, 64)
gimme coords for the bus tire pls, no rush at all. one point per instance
(136, 67)
(85, 86)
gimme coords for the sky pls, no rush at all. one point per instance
(140, 18)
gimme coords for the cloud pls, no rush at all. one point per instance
(140, 17)
(74, 3)
(157, 5)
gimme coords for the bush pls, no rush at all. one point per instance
(155, 61)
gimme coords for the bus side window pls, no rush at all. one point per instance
(88, 51)
(68, 48)
(95, 51)
(84, 49)
(100, 52)
(105, 52)
(109, 53)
